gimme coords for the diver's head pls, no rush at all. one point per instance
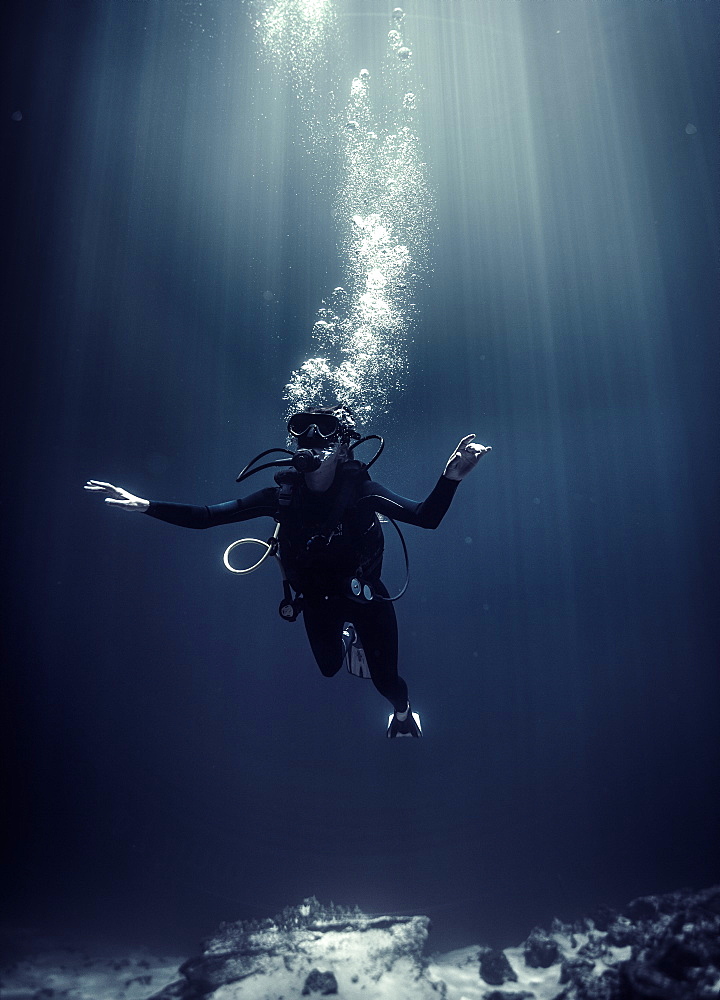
(323, 436)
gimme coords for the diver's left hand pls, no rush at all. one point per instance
(465, 457)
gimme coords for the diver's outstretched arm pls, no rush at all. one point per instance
(464, 459)
(430, 512)
(117, 496)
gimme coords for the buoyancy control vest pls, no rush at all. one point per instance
(326, 538)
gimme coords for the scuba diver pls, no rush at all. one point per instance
(329, 543)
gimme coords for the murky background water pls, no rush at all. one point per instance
(182, 197)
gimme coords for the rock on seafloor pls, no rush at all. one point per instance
(664, 947)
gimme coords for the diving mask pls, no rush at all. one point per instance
(323, 425)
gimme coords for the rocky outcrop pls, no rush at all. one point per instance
(309, 950)
(655, 948)
(675, 944)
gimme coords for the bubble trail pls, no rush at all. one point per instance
(300, 38)
(384, 212)
(296, 34)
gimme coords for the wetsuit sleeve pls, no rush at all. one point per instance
(425, 514)
(261, 504)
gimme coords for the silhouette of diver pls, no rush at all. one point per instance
(331, 542)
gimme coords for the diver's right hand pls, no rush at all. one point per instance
(118, 497)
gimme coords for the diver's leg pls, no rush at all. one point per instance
(376, 626)
(324, 626)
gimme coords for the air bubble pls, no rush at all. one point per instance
(364, 75)
(404, 52)
(398, 14)
(394, 38)
(690, 129)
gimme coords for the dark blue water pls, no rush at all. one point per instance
(174, 758)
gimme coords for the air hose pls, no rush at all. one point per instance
(271, 547)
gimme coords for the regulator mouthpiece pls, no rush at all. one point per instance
(306, 460)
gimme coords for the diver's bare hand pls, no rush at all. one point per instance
(465, 457)
(117, 496)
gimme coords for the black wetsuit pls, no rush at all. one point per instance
(319, 558)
